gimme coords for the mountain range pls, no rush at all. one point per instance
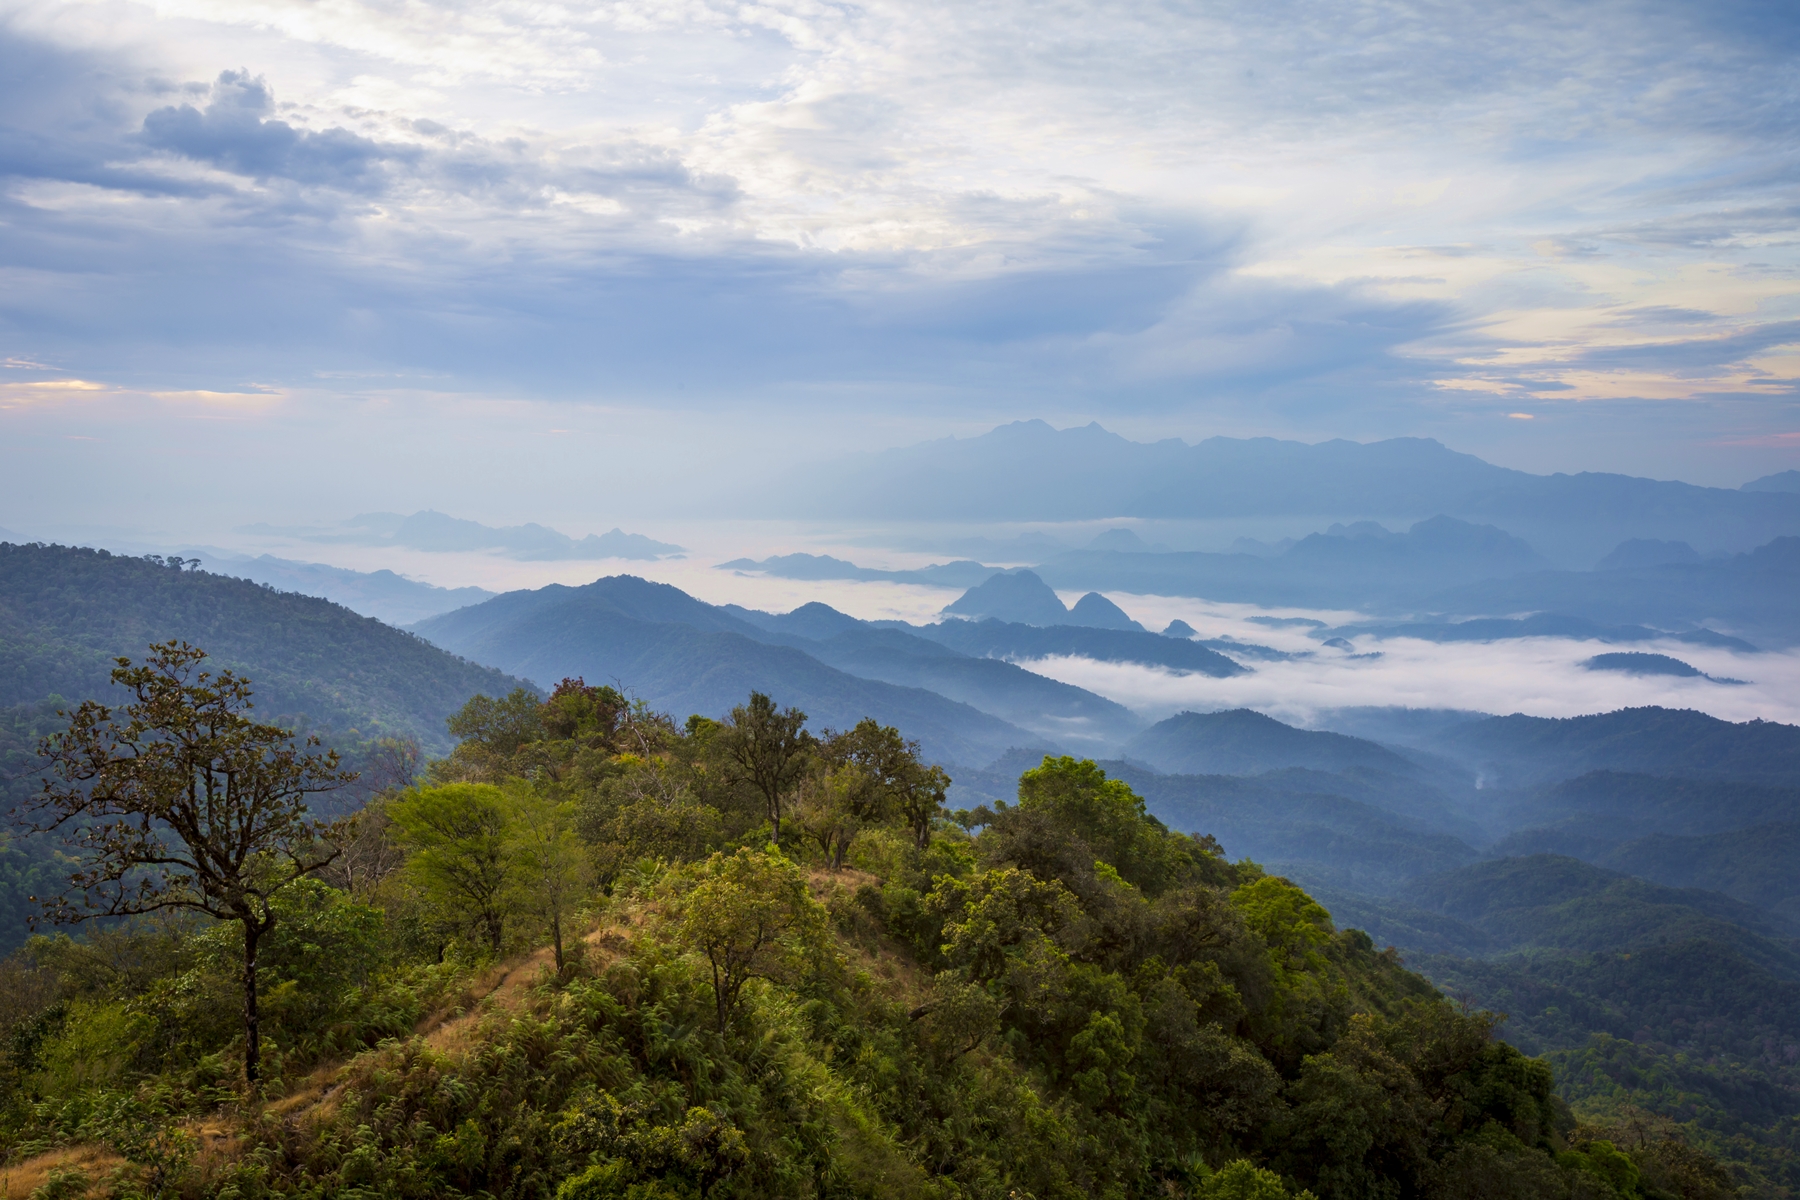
(1439, 572)
(1028, 471)
(66, 614)
(682, 655)
(1621, 883)
(382, 594)
(435, 531)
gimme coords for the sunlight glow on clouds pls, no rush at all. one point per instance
(1304, 220)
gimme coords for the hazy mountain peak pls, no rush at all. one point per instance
(1096, 611)
(1241, 741)
(1018, 596)
(1124, 540)
(1781, 481)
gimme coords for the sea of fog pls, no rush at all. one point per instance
(1537, 676)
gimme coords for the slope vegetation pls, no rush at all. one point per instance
(1074, 1002)
(65, 614)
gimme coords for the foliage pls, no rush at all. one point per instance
(1053, 998)
(549, 863)
(67, 613)
(1644, 999)
(185, 803)
(750, 916)
(460, 858)
(767, 748)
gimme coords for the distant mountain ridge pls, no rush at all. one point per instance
(1356, 566)
(684, 656)
(1749, 593)
(962, 573)
(435, 531)
(1493, 629)
(1029, 471)
(1242, 742)
(1519, 750)
(380, 594)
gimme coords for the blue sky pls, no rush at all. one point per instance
(328, 255)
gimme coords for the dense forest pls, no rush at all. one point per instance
(377, 694)
(592, 952)
(66, 613)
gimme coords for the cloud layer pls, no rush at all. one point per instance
(1360, 220)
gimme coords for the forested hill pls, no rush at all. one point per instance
(66, 613)
(809, 981)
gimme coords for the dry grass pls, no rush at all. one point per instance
(18, 1180)
(452, 1030)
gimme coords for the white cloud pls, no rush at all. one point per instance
(1540, 677)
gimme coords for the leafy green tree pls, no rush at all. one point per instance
(490, 732)
(577, 712)
(872, 776)
(1244, 1180)
(181, 801)
(1110, 819)
(999, 915)
(768, 749)
(324, 948)
(461, 851)
(645, 809)
(751, 916)
(1606, 1161)
(550, 868)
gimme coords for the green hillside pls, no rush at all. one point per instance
(1680, 1002)
(66, 613)
(1069, 1002)
(1522, 751)
(1755, 865)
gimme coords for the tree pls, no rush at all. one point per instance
(462, 855)
(490, 732)
(752, 917)
(1110, 818)
(181, 801)
(872, 775)
(551, 869)
(1244, 1180)
(768, 749)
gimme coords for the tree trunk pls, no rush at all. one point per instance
(494, 933)
(556, 937)
(718, 997)
(252, 1026)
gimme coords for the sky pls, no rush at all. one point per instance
(576, 263)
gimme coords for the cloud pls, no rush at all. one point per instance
(1279, 218)
(1536, 676)
(233, 134)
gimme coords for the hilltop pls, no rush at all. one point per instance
(1071, 1002)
